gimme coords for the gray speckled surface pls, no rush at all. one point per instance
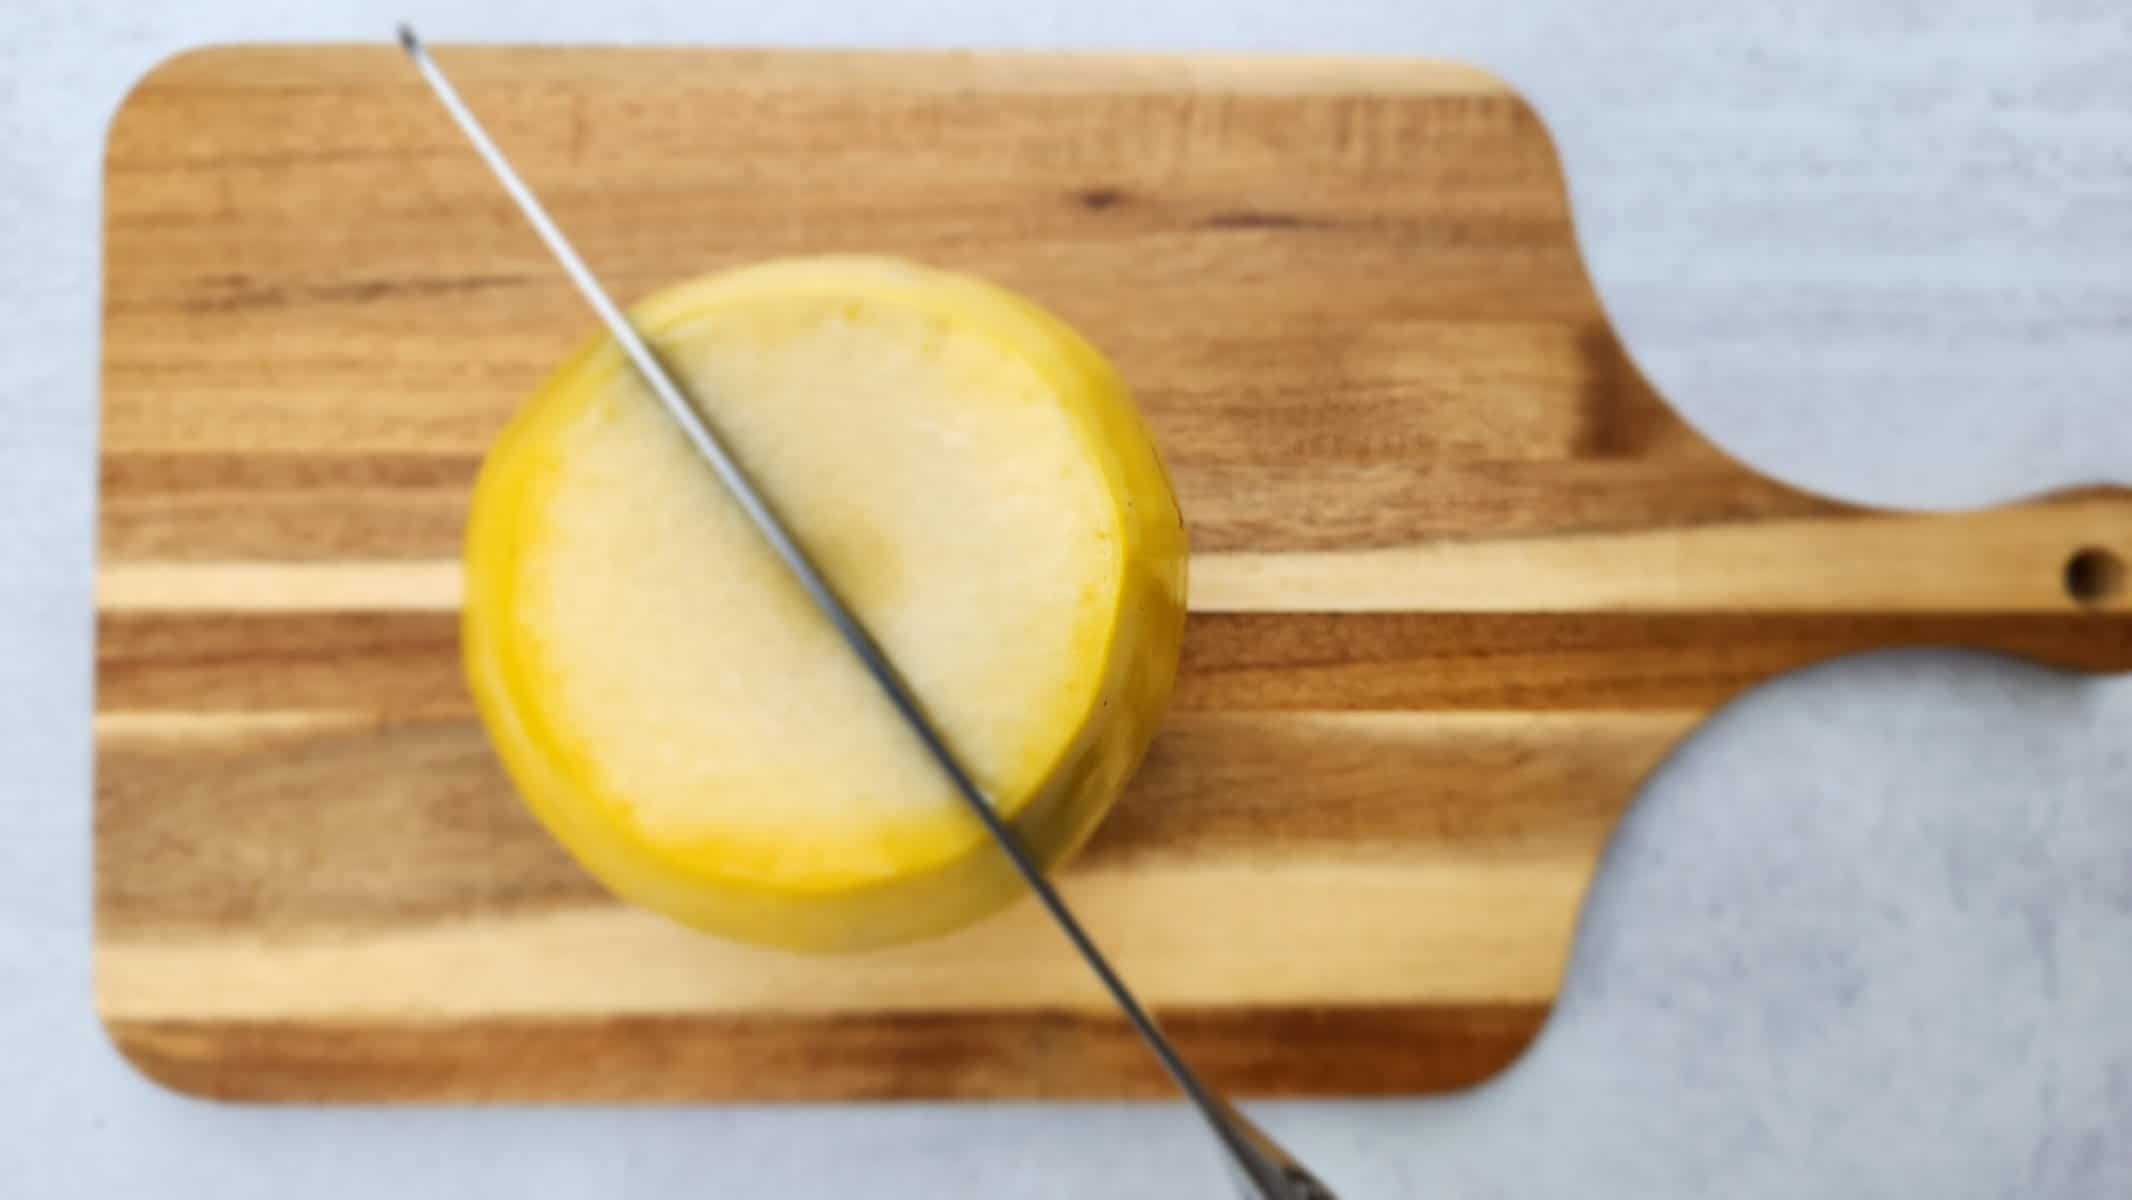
(1869, 934)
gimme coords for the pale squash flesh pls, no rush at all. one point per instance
(976, 483)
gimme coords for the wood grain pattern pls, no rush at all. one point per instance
(1461, 578)
(1033, 1054)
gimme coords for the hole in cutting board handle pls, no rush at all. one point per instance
(2094, 576)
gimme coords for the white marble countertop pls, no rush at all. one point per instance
(1869, 934)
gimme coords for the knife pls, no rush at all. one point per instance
(1263, 1170)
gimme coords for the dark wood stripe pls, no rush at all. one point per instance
(230, 292)
(283, 507)
(298, 508)
(1267, 508)
(1216, 784)
(390, 666)
(399, 824)
(339, 829)
(1579, 661)
(400, 665)
(141, 476)
(1358, 1051)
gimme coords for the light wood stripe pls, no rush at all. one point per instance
(280, 587)
(203, 75)
(2003, 560)
(1381, 930)
(120, 731)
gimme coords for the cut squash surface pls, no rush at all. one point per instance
(974, 481)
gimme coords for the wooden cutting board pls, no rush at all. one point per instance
(1461, 578)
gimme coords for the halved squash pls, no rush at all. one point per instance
(977, 484)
